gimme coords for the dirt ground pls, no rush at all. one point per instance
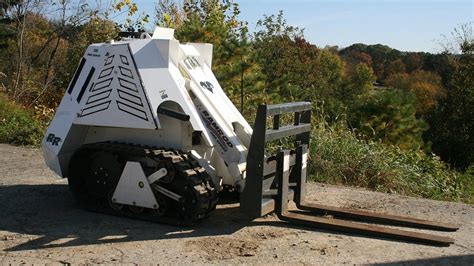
(40, 223)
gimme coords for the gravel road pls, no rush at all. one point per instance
(40, 223)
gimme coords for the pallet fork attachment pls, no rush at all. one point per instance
(272, 182)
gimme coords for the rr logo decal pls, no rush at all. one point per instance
(53, 139)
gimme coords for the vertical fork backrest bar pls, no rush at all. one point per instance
(304, 117)
(282, 175)
(297, 118)
(251, 197)
(276, 122)
(299, 173)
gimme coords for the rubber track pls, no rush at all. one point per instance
(190, 177)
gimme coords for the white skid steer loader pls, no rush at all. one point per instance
(145, 130)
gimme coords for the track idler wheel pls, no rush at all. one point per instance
(112, 204)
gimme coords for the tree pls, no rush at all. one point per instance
(413, 62)
(39, 47)
(295, 69)
(169, 14)
(6, 18)
(276, 49)
(353, 58)
(452, 123)
(134, 21)
(394, 67)
(362, 79)
(443, 64)
(389, 116)
(426, 86)
(381, 56)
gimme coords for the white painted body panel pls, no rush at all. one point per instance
(121, 85)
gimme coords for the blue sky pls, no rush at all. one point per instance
(406, 25)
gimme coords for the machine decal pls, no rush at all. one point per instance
(51, 138)
(216, 131)
(94, 53)
(117, 84)
(106, 72)
(99, 96)
(86, 83)
(92, 109)
(127, 85)
(130, 101)
(109, 59)
(191, 62)
(128, 97)
(124, 60)
(207, 85)
(163, 94)
(76, 75)
(143, 90)
(127, 108)
(101, 85)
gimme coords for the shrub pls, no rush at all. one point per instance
(338, 156)
(18, 126)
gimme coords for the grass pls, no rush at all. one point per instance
(18, 125)
(338, 156)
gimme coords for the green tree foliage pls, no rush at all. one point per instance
(134, 21)
(6, 31)
(443, 64)
(359, 83)
(452, 122)
(389, 116)
(275, 44)
(168, 14)
(294, 69)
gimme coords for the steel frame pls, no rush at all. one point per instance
(271, 183)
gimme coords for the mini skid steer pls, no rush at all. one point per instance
(144, 130)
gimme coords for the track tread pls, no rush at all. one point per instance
(191, 180)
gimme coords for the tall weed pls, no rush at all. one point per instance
(19, 126)
(338, 156)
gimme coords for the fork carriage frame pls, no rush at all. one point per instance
(272, 182)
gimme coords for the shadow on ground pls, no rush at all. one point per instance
(49, 211)
(447, 260)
